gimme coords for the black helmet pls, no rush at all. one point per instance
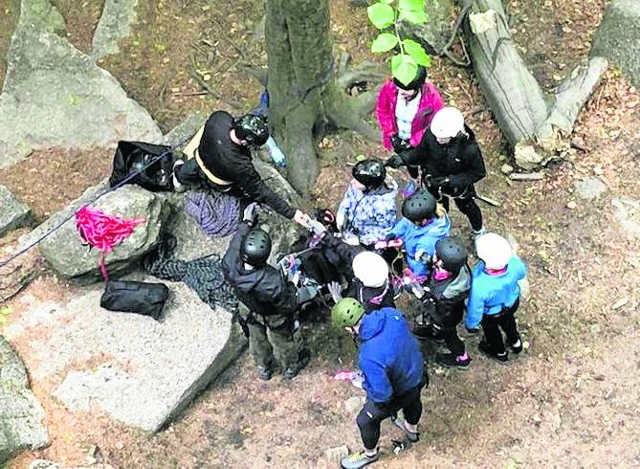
(252, 128)
(452, 253)
(371, 173)
(416, 83)
(420, 206)
(256, 247)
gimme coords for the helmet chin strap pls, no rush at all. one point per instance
(248, 266)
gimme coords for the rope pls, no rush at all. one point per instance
(216, 213)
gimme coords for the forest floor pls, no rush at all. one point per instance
(570, 400)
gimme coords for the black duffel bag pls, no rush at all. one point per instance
(132, 157)
(134, 297)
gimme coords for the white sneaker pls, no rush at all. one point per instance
(479, 232)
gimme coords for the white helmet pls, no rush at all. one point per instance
(371, 269)
(447, 123)
(494, 250)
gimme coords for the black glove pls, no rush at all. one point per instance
(394, 162)
(473, 330)
(437, 182)
(399, 145)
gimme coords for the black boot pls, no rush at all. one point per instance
(486, 349)
(303, 360)
(449, 360)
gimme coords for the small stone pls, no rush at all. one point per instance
(620, 303)
(353, 404)
(571, 205)
(590, 188)
(336, 454)
(119, 445)
(597, 170)
(506, 169)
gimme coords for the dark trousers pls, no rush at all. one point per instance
(454, 344)
(371, 415)
(505, 321)
(466, 205)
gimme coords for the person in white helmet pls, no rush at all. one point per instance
(371, 286)
(451, 163)
(495, 296)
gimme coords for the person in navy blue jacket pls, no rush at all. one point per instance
(495, 296)
(392, 364)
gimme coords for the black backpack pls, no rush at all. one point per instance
(131, 157)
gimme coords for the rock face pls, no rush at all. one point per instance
(13, 213)
(68, 254)
(115, 24)
(21, 415)
(139, 371)
(54, 95)
(618, 37)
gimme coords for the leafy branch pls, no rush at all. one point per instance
(386, 15)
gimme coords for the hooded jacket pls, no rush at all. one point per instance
(449, 296)
(370, 215)
(491, 293)
(430, 103)
(420, 238)
(263, 290)
(389, 356)
(460, 160)
(231, 162)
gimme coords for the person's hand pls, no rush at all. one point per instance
(250, 213)
(418, 255)
(395, 161)
(341, 220)
(440, 181)
(335, 291)
(301, 218)
(398, 144)
(395, 243)
(380, 244)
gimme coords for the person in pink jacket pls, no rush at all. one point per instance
(405, 111)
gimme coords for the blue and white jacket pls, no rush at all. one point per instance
(389, 355)
(490, 293)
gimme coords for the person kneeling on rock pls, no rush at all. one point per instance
(273, 302)
(394, 375)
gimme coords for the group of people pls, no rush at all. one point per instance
(374, 255)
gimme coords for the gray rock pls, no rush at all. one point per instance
(184, 131)
(353, 404)
(438, 29)
(139, 371)
(21, 415)
(590, 188)
(506, 169)
(627, 212)
(56, 96)
(618, 37)
(69, 256)
(336, 454)
(115, 24)
(13, 213)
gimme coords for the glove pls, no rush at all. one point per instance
(341, 219)
(306, 294)
(335, 291)
(399, 145)
(395, 161)
(276, 154)
(380, 244)
(250, 213)
(418, 255)
(473, 330)
(437, 182)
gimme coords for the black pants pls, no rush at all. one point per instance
(466, 205)
(454, 344)
(491, 326)
(371, 415)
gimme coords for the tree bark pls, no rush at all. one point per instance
(303, 87)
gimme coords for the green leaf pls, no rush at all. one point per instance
(416, 52)
(412, 11)
(360, 157)
(6, 311)
(404, 68)
(387, 2)
(384, 42)
(381, 15)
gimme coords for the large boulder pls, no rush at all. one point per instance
(139, 371)
(56, 96)
(21, 415)
(618, 37)
(69, 255)
(115, 24)
(14, 214)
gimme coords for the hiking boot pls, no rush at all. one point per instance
(265, 374)
(177, 185)
(413, 437)
(303, 360)
(516, 347)
(499, 357)
(449, 360)
(357, 460)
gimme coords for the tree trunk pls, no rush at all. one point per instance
(304, 94)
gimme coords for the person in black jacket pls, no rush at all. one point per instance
(443, 304)
(451, 163)
(274, 331)
(222, 160)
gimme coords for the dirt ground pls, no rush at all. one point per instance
(570, 400)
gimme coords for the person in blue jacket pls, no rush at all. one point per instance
(420, 227)
(495, 296)
(394, 374)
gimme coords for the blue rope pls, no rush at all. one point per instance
(92, 201)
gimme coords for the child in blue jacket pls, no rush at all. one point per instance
(419, 229)
(495, 296)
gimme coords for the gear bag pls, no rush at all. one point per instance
(127, 296)
(132, 157)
